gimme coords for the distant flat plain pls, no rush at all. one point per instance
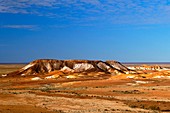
(7, 68)
(162, 64)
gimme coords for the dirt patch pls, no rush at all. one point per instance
(84, 95)
(151, 105)
(23, 109)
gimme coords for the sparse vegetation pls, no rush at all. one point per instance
(128, 92)
(88, 95)
(154, 107)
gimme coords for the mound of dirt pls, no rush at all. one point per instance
(45, 66)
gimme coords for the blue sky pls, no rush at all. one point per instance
(123, 30)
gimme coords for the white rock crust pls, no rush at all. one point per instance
(83, 67)
(49, 77)
(22, 74)
(71, 76)
(48, 66)
(65, 68)
(36, 78)
(103, 66)
(142, 82)
(132, 68)
(4, 75)
(28, 66)
(130, 77)
(159, 76)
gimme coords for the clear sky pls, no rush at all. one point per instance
(123, 30)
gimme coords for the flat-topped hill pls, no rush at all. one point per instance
(44, 66)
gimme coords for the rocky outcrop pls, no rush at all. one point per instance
(117, 65)
(147, 67)
(45, 66)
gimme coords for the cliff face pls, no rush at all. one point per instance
(117, 65)
(45, 66)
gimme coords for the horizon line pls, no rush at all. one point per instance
(135, 62)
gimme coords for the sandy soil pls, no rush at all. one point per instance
(7, 68)
(113, 95)
(22, 109)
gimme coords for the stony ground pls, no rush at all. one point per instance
(113, 95)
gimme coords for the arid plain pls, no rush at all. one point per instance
(140, 89)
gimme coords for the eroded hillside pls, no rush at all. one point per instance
(85, 86)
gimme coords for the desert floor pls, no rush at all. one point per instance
(88, 95)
